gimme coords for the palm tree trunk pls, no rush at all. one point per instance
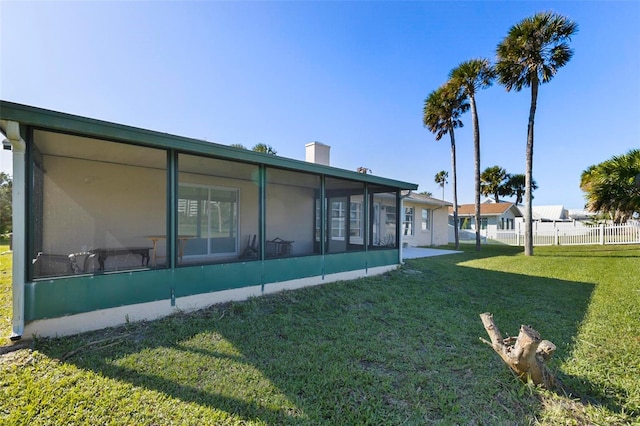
(476, 154)
(455, 189)
(528, 214)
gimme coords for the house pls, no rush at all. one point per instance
(114, 223)
(581, 215)
(424, 220)
(493, 216)
(550, 213)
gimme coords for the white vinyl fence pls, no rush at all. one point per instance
(558, 235)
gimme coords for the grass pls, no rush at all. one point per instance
(5, 291)
(401, 348)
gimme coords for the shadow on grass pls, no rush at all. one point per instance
(402, 347)
(487, 250)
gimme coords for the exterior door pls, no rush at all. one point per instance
(210, 216)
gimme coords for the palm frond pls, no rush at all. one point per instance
(442, 110)
(611, 186)
(536, 46)
(472, 75)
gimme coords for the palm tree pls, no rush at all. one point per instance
(493, 181)
(531, 54)
(471, 76)
(441, 114)
(613, 186)
(441, 179)
(515, 185)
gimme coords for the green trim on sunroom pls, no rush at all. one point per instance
(68, 123)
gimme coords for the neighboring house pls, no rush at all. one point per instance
(549, 213)
(114, 223)
(581, 215)
(424, 220)
(493, 216)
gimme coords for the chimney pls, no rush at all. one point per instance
(318, 153)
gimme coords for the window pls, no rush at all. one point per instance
(210, 216)
(355, 219)
(483, 222)
(337, 220)
(390, 215)
(318, 219)
(217, 210)
(382, 211)
(465, 223)
(426, 220)
(506, 224)
(407, 223)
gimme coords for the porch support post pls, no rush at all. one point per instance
(323, 220)
(172, 222)
(172, 203)
(399, 220)
(365, 217)
(262, 218)
(18, 146)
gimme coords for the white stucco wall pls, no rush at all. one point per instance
(92, 204)
(290, 216)
(435, 236)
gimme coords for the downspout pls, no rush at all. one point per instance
(18, 146)
(433, 220)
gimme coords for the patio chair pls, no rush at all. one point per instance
(51, 265)
(83, 262)
(251, 251)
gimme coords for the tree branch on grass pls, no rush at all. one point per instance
(89, 346)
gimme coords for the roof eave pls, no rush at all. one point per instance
(69, 123)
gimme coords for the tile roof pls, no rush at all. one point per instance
(486, 209)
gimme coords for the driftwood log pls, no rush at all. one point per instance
(526, 355)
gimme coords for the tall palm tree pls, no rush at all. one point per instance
(493, 181)
(471, 76)
(531, 54)
(441, 115)
(441, 179)
(515, 185)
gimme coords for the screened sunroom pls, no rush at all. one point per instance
(119, 223)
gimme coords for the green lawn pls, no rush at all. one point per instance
(401, 348)
(5, 293)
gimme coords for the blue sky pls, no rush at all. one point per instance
(353, 75)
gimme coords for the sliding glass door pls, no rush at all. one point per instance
(208, 215)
